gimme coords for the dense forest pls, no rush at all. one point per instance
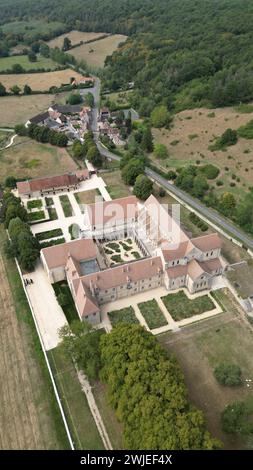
(182, 53)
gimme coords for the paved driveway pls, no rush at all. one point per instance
(48, 312)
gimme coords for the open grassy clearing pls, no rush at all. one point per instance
(18, 109)
(31, 27)
(180, 307)
(83, 428)
(6, 63)
(40, 81)
(200, 347)
(113, 427)
(28, 158)
(96, 52)
(152, 313)
(75, 36)
(119, 98)
(125, 315)
(115, 186)
(29, 417)
(237, 159)
(87, 197)
(241, 278)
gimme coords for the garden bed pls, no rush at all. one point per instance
(125, 315)
(57, 232)
(36, 216)
(152, 313)
(66, 206)
(35, 204)
(180, 307)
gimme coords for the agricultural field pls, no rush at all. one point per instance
(96, 52)
(199, 349)
(27, 158)
(193, 131)
(29, 417)
(6, 63)
(75, 37)
(38, 81)
(18, 109)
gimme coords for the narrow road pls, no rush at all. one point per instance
(10, 143)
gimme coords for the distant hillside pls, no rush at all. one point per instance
(182, 53)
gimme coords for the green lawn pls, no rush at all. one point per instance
(35, 216)
(70, 308)
(6, 63)
(115, 186)
(66, 206)
(125, 315)
(113, 427)
(152, 314)
(37, 203)
(180, 307)
(80, 420)
(31, 27)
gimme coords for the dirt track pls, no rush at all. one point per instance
(25, 421)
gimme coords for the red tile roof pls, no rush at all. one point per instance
(47, 183)
(120, 275)
(107, 212)
(207, 242)
(80, 250)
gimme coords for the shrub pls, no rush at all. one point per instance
(210, 171)
(228, 374)
(233, 417)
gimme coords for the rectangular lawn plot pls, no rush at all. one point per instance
(125, 315)
(180, 307)
(66, 206)
(152, 313)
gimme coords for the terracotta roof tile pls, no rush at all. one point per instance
(81, 250)
(207, 242)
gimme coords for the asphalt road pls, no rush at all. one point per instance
(210, 214)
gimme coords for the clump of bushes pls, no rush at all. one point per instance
(198, 222)
(228, 374)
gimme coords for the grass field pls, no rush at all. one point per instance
(199, 349)
(113, 427)
(183, 149)
(115, 186)
(6, 63)
(152, 313)
(75, 36)
(87, 197)
(38, 81)
(32, 26)
(96, 52)
(18, 160)
(119, 98)
(4, 138)
(82, 425)
(180, 307)
(18, 109)
(29, 417)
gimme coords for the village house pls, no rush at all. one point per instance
(86, 81)
(168, 257)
